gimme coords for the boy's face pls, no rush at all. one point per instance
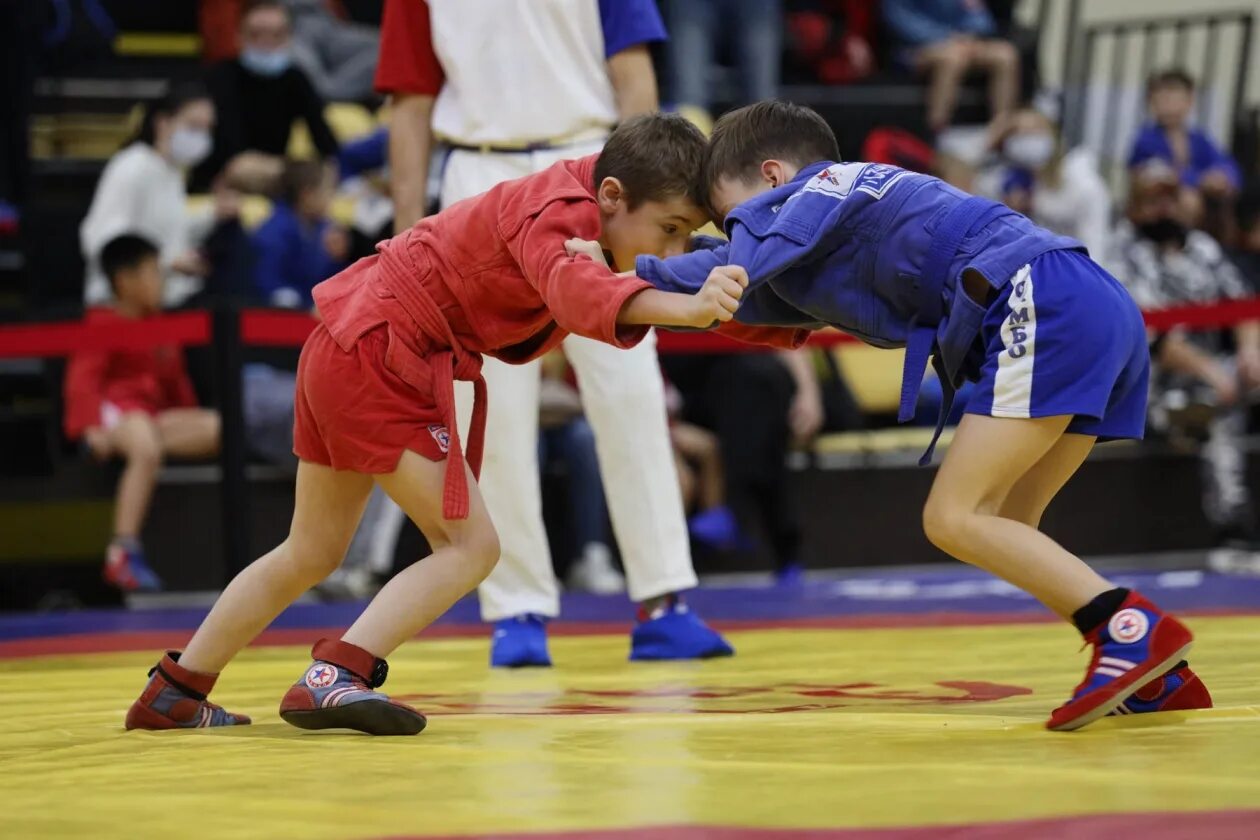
(141, 286)
(1171, 104)
(660, 228)
(729, 192)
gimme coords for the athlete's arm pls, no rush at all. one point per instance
(633, 82)
(410, 147)
(409, 71)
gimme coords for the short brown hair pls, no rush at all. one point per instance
(1171, 77)
(656, 157)
(298, 177)
(769, 130)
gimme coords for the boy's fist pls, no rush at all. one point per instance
(574, 247)
(719, 297)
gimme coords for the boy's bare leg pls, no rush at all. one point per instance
(327, 507)
(945, 64)
(1000, 60)
(135, 438)
(464, 553)
(189, 432)
(1013, 464)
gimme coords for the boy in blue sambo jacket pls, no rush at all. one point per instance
(1056, 345)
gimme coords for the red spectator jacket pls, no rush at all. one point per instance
(150, 380)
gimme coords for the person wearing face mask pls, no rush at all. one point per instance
(258, 97)
(1208, 373)
(1061, 191)
(142, 191)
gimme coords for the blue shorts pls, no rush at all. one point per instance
(1064, 337)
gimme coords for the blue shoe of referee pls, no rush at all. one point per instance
(673, 631)
(520, 642)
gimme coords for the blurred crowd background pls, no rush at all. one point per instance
(160, 155)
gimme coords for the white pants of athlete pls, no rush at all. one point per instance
(624, 398)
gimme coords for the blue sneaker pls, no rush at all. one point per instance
(520, 642)
(336, 692)
(672, 631)
(719, 529)
(126, 569)
(790, 575)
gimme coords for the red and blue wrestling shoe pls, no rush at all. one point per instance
(175, 698)
(1177, 691)
(673, 631)
(337, 693)
(1134, 648)
(126, 568)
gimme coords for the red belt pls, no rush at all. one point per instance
(445, 366)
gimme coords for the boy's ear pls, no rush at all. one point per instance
(609, 194)
(774, 173)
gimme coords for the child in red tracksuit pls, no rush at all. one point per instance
(137, 405)
(375, 403)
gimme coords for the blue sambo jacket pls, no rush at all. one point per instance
(876, 251)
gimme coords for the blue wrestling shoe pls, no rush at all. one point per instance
(336, 692)
(672, 631)
(126, 568)
(1137, 646)
(520, 642)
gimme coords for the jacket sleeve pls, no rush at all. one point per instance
(583, 296)
(684, 273)
(785, 338)
(83, 392)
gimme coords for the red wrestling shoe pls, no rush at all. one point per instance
(1138, 644)
(1177, 691)
(175, 698)
(336, 693)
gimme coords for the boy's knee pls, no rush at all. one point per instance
(943, 524)
(485, 549)
(1001, 55)
(139, 442)
(312, 559)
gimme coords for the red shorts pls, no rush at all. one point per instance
(352, 413)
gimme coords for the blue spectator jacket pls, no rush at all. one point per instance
(1205, 155)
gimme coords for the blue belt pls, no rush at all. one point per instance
(962, 220)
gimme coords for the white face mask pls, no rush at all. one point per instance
(1031, 151)
(190, 146)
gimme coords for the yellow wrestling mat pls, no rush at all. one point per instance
(804, 729)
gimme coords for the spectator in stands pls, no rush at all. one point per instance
(137, 405)
(1246, 250)
(1164, 262)
(566, 443)
(142, 191)
(946, 39)
(758, 405)
(1210, 177)
(299, 246)
(829, 41)
(699, 30)
(338, 55)
(1199, 161)
(258, 96)
(1058, 189)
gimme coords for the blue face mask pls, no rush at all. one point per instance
(270, 63)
